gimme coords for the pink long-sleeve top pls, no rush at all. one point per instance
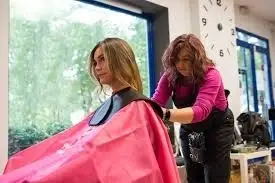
(210, 94)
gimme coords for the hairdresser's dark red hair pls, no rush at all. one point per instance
(191, 46)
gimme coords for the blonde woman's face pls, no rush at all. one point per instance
(102, 69)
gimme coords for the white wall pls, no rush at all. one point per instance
(261, 27)
(252, 23)
(4, 14)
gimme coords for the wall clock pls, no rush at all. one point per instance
(217, 28)
(213, 21)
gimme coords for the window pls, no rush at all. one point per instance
(254, 73)
(49, 87)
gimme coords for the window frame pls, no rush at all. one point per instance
(265, 51)
(259, 49)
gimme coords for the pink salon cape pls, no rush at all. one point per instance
(131, 147)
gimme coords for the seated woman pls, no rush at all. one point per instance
(123, 141)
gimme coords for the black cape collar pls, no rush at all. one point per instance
(116, 102)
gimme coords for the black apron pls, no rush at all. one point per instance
(218, 130)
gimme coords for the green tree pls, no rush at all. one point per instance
(48, 79)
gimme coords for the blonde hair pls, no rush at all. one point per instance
(121, 61)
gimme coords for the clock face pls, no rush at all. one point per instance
(217, 27)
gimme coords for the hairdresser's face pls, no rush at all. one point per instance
(183, 64)
(102, 69)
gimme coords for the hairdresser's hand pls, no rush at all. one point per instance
(163, 110)
(165, 122)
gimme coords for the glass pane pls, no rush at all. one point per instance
(247, 59)
(256, 41)
(245, 78)
(262, 83)
(49, 88)
(251, 39)
(240, 56)
(242, 36)
(244, 93)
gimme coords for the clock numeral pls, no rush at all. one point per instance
(232, 32)
(204, 21)
(212, 46)
(228, 51)
(221, 53)
(219, 2)
(225, 8)
(205, 8)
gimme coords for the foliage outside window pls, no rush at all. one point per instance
(49, 87)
